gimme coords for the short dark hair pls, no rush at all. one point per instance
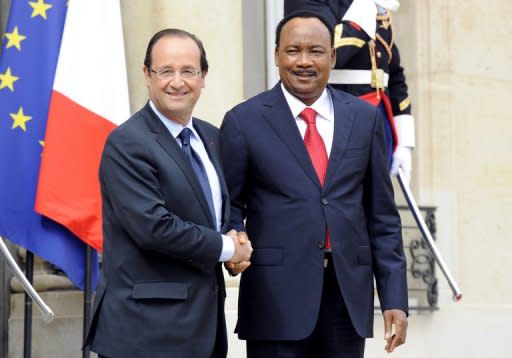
(303, 14)
(176, 33)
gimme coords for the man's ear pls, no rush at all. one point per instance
(203, 78)
(276, 56)
(147, 74)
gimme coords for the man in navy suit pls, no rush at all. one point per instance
(165, 203)
(306, 170)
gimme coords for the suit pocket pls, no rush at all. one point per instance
(364, 255)
(162, 290)
(268, 256)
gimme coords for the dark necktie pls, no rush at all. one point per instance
(198, 167)
(317, 152)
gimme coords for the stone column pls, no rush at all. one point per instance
(4, 13)
(4, 273)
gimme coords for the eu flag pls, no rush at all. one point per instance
(27, 67)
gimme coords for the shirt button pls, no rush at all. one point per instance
(325, 201)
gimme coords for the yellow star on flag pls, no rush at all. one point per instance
(7, 80)
(20, 119)
(14, 38)
(40, 8)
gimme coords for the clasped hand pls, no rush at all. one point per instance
(239, 262)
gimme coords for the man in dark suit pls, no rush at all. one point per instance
(306, 169)
(161, 292)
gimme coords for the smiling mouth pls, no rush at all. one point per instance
(176, 95)
(304, 74)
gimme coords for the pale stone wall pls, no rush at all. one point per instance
(458, 61)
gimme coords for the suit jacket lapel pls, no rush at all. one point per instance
(281, 120)
(343, 121)
(169, 144)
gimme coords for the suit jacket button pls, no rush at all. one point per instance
(320, 244)
(325, 201)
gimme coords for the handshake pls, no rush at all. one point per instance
(239, 262)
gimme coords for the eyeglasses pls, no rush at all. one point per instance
(168, 73)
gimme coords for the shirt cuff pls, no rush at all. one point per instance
(405, 130)
(228, 248)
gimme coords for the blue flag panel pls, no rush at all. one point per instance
(28, 61)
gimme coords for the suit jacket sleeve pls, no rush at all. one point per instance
(384, 227)
(131, 186)
(235, 158)
(398, 91)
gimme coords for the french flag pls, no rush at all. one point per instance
(89, 99)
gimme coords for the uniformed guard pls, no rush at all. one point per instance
(368, 66)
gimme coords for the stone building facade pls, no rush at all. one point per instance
(458, 61)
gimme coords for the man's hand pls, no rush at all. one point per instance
(243, 251)
(396, 318)
(236, 268)
(402, 158)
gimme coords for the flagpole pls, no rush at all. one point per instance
(27, 328)
(87, 298)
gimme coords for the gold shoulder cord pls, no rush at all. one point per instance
(377, 80)
(385, 22)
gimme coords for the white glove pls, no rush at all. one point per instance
(402, 158)
(391, 5)
(363, 13)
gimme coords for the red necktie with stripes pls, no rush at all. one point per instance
(317, 152)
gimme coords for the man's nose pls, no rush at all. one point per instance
(304, 59)
(176, 81)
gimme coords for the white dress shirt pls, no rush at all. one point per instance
(228, 247)
(324, 119)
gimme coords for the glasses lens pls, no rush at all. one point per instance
(167, 74)
(188, 74)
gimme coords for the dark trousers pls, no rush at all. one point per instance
(334, 335)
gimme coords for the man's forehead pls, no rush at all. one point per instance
(305, 21)
(176, 46)
(305, 26)
(168, 39)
